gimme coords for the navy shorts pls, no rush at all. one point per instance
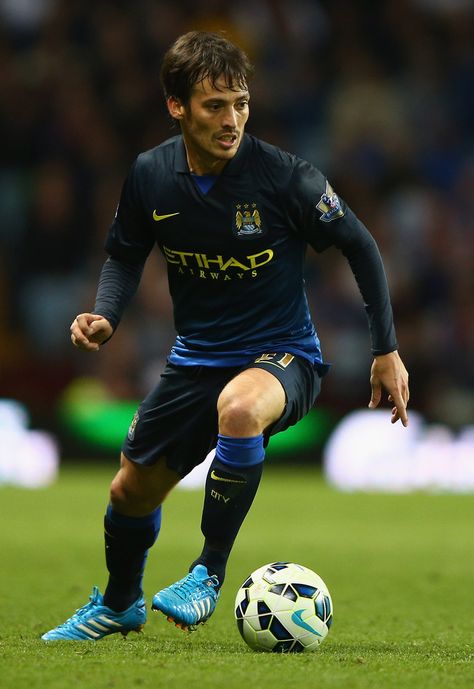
(178, 418)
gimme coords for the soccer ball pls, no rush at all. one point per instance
(283, 607)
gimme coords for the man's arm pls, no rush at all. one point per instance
(326, 220)
(388, 371)
(117, 284)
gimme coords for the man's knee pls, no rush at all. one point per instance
(130, 497)
(250, 403)
(137, 490)
(240, 416)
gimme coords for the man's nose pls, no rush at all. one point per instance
(229, 118)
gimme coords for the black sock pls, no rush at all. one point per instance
(127, 541)
(229, 493)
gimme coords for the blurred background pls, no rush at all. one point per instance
(378, 95)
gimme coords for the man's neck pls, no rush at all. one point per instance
(199, 166)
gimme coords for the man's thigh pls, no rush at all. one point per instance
(253, 400)
(300, 381)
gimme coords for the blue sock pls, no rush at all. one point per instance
(127, 541)
(240, 452)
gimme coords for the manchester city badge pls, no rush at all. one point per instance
(247, 220)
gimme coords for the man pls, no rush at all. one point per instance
(232, 216)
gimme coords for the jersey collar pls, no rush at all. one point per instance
(233, 167)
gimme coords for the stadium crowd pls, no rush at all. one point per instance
(379, 95)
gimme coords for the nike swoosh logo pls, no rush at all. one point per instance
(296, 618)
(226, 480)
(162, 217)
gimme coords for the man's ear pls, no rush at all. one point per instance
(175, 107)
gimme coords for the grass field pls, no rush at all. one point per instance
(400, 570)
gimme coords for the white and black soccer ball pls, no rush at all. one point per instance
(283, 607)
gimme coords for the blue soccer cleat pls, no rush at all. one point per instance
(190, 601)
(95, 620)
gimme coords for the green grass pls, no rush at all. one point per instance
(399, 569)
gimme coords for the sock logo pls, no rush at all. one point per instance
(226, 480)
(219, 496)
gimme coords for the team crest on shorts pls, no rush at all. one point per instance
(329, 205)
(247, 220)
(133, 425)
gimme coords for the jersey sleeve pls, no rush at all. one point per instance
(325, 220)
(118, 283)
(128, 244)
(129, 238)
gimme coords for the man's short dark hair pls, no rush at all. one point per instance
(200, 55)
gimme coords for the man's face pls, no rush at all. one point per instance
(212, 124)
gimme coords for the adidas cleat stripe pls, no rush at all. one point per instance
(88, 631)
(97, 625)
(197, 608)
(107, 620)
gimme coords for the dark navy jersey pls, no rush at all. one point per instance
(235, 255)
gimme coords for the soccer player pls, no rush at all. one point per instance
(232, 215)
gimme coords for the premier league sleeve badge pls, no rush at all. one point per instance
(329, 205)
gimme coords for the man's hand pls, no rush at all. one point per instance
(89, 331)
(389, 372)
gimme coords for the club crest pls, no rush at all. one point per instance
(247, 221)
(329, 205)
(133, 425)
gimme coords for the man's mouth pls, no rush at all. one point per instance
(227, 140)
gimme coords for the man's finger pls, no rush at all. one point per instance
(400, 408)
(78, 340)
(96, 326)
(376, 396)
(83, 343)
